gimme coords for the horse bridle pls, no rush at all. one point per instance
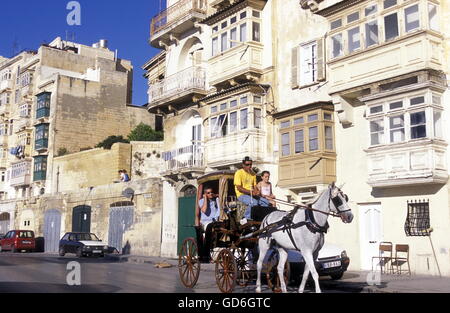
(337, 202)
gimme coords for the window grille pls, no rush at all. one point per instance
(418, 218)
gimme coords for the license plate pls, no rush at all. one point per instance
(97, 251)
(332, 264)
(26, 242)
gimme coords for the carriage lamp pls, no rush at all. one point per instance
(344, 254)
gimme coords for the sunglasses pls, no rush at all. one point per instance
(248, 164)
(209, 193)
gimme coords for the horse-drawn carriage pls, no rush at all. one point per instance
(235, 247)
(234, 256)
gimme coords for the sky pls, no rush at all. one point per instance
(26, 24)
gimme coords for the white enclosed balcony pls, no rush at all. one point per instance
(232, 148)
(176, 19)
(185, 159)
(179, 89)
(21, 174)
(243, 62)
(410, 163)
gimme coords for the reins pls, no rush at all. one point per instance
(305, 207)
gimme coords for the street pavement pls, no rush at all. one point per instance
(47, 273)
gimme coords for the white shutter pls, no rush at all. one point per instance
(294, 67)
(321, 60)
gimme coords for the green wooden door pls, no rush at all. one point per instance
(186, 219)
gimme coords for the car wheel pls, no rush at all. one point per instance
(79, 253)
(337, 276)
(61, 251)
(1, 250)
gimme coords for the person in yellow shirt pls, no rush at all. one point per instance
(246, 189)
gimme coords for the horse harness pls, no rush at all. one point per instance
(287, 223)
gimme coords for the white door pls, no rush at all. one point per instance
(371, 232)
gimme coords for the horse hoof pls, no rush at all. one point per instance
(258, 290)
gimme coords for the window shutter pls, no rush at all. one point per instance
(294, 67)
(321, 60)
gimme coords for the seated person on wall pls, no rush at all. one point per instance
(246, 190)
(209, 215)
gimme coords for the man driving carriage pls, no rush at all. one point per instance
(209, 214)
(246, 188)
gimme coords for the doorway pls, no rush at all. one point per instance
(371, 232)
(81, 219)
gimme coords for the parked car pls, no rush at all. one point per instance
(332, 261)
(18, 240)
(82, 244)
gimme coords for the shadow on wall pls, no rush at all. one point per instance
(40, 244)
(420, 190)
(126, 249)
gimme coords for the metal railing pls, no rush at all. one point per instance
(190, 78)
(184, 158)
(176, 11)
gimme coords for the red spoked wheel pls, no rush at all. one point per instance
(226, 271)
(189, 263)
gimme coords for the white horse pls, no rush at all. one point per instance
(302, 229)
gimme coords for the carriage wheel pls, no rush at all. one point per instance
(243, 261)
(226, 271)
(273, 281)
(189, 263)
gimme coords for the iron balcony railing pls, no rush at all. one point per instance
(188, 79)
(184, 158)
(175, 12)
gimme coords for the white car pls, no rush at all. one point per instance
(332, 261)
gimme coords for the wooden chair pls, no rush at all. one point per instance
(401, 257)
(384, 256)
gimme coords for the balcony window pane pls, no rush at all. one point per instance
(336, 24)
(313, 138)
(436, 100)
(213, 127)
(244, 119)
(353, 39)
(223, 106)
(353, 17)
(233, 103)
(243, 15)
(418, 125)
(327, 116)
(395, 105)
(233, 122)
(223, 125)
(376, 132)
(417, 100)
(256, 14)
(224, 25)
(377, 109)
(215, 46)
(215, 29)
(299, 120)
(223, 45)
(257, 117)
(313, 117)
(299, 141)
(285, 144)
(389, 3)
(412, 18)
(337, 45)
(244, 100)
(371, 10)
(233, 37)
(243, 32)
(437, 124)
(390, 26)
(233, 20)
(213, 109)
(256, 34)
(433, 17)
(328, 138)
(285, 124)
(257, 99)
(397, 127)
(371, 33)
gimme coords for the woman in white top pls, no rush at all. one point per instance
(265, 187)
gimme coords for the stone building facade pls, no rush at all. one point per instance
(352, 91)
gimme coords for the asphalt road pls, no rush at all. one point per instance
(45, 273)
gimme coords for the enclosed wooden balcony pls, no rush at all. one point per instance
(418, 162)
(177, 91)
(175, 20)
(241, 63)
(21, 174)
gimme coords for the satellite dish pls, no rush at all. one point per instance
(128, 193)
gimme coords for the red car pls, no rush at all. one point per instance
(18, 240)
